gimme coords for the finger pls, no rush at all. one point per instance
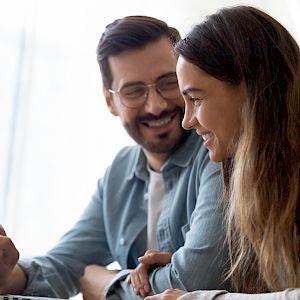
(151, 258)
(150, 252)
(9, 254)
(2, 231)
(134, 282)
(145, 260)
(161, 258)
(138, 286)
(128, 279)
(144, 280)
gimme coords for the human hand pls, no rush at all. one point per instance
(170, 294)
(138, 277)
(94, 281)
(9, 257)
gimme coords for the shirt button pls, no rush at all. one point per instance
(161, 234)
(122, 241)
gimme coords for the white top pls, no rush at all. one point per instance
(289, 294)
(156, 194)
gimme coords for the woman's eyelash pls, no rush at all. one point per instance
(195, 99)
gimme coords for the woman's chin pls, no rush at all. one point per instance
(215, 156)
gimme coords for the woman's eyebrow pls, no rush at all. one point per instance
(192, 89)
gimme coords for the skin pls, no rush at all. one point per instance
(91, 286)
(213, 108)
(138, 278)
(157, 59)
(12, 278)
(157, 142)
(170, 294)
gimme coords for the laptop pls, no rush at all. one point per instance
(21, 297)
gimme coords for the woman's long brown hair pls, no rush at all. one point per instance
(245, 45)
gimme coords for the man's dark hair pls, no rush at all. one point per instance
(131, 32)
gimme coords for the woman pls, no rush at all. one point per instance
(239, 73)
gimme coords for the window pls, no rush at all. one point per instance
(57, 135)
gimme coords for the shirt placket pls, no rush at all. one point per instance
(164, 238)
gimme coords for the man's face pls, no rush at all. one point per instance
(156, 124)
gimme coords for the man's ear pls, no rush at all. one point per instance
(109, 101)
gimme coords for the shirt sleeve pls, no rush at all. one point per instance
(289, 294)
(201, 261)
(57, 273)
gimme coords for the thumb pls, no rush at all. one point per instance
(2, 231)
(161, 258)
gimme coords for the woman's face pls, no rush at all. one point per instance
(212, 107)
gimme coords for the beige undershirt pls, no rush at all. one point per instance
(156, 194)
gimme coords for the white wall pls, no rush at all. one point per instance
(63, 136)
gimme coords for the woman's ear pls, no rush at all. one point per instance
(109, 101)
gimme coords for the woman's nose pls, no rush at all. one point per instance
(189, 119)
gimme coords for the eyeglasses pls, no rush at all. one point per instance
(136, 94)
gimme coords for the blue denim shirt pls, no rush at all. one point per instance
(113, 227)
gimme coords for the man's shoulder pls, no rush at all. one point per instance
(127, 153)
(126, 160)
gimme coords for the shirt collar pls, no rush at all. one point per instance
(186, 153)
(182, 157)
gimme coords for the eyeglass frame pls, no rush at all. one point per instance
(147, 86)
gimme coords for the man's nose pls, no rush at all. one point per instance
(155, 103)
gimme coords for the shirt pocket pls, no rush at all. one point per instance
(184, 229)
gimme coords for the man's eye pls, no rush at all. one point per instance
(168, 84)
(133, 91)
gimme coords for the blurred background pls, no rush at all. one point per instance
(56, 134)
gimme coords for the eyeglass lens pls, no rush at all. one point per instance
(136, 94)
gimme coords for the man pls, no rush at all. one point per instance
(160, 194)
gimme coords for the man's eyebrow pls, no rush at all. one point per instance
(192, 89)
(166, 75)
(130, 83)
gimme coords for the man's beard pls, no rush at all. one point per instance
(164, 143)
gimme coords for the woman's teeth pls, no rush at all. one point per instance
(206, 136)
